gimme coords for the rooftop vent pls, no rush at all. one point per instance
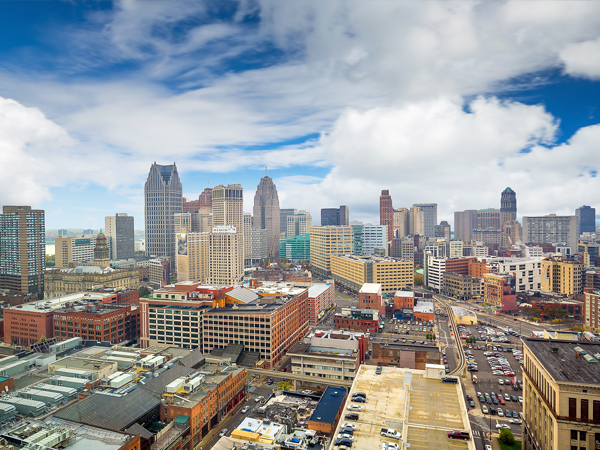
(589, 359)
(578, 349)
(554, 349)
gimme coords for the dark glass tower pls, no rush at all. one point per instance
(508, 206)
(586, 218)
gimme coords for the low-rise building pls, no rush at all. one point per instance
(499, 292)
(321, 299)
(564, 276)
(404, 300)
(592, 308)
(410, 356)
(464, 316)
(356, 319)
(561, 394)
(424, 311)
(329, 410)
(371, 297)
(461, 286)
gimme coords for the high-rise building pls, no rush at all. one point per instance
(299, 223)
(401, 223)
(283, 215)
(586, 218)
(192, 256)
(563, 276)
(247, 239)
(204, 201)
(22, 250)
(488, 219)
(335, 217)
(374, 239)
(265, 215)
(119, 230)
(464, 224)
(163, 195)
(325, 242)
(508, 206)
(228, 209)
(223, 257)
(296, 248)
(551, 229)
(69, 250)
(417, 221)
(386, 213)
(63, 233)
(443, 230)
(430, 217)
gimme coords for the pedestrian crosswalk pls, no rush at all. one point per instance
(476, 433)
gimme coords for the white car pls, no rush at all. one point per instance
(245, 409)
(516, 421)
(488, 447)
(259, 398)
(349, 425)
(353, 407)
(223, 432)
(389, 446)
(502, 425)
(345, 436)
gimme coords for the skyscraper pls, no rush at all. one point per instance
(119, 231)
(266, 213)
(551, 229)
(586, 217)
(429, 216)
(298, 224)
(508, 206)
(22, 250)
(283, 215)
(464, 224)
(164, 198)
(416, 221)
(335, 216)
(228, 209)
(386, 213)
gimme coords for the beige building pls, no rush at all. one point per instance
(325, 242)
(299, 223)
(417, 221)
(223, 260)
(461, 286)
(335, 355)
(228, 210)
(59, 282)
(407, 250)
(352, 271)
(69, 250)
(192, 262)
(561, 395)
(563, 276)
(401, 222)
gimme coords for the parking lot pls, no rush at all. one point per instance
(498, 393)
(412, 330)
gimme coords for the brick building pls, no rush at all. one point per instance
(371, 297)
(404, 355)
(499, 292)
(477, 267)
(404, 300)
(321, 299)
(25, 324)
(424, 311)
(355, 319)
(461, 286)
(592, 306)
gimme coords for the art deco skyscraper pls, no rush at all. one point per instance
(228, 209)
(386, 213)
(164, 198)
(22, 250)
(508, 206)
(265, 215)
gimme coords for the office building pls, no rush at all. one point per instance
(563, 276)
(193, 257)
(265, 215)
(228, 209)
(298, 223)
(592, 308)
(374, 239)
(401, 223)
(63, 233)
(417, 221)
(296, 248)
(204, 201)
(586, 218)
(386, 213)
(488, 236)
(223, 269)
(119, 231)
(268, 323)
(22, 250)
(561, 394)
(429, 217)
(69, 251)
(159, 272)
(283, 215)
(508, 206)
(353, 271)
(526, 271)
(499, 292)
(488, 219)
(67, 281)
(463, 287)
(551, 229)
(321, 301)
(248, 239)
(325, 242)
(370, 296)
(335, 216)
(443, 230)
(260, 249)
(163, 199)
(464, 224)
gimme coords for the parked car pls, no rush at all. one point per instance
(353, 407)
(456, 434)
(351, 416)
(245, 409)
(223, 432)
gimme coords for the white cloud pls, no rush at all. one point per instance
(582, 59)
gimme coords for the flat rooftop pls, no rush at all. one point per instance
(408, 294)
(370, 288)
(422, 409)
(563, 363)
(460, 311)
(372, 259)
(423, 307)
(60, 302)
(317, 289)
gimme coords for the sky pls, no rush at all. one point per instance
(445, 102)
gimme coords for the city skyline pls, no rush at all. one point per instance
(502, 94)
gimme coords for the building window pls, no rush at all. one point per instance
(573, 407)
(596, 406)
(582, 435)
(584, 408)
(573, 435)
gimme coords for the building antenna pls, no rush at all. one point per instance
(265, 171)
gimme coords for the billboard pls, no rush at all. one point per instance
(182, 244)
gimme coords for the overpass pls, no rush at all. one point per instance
(298, 377)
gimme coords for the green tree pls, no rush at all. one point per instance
(419, 280)
(144, 291)
(50, 261)
(506, 436)
(284, 386)
(433, 337)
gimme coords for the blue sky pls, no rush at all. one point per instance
(436, 101)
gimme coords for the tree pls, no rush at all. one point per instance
(144, 291)
(419, 280)
(506, 436)
(50, 261)
(284, 386)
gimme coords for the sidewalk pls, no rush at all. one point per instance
(222, 424)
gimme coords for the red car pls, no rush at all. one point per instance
(456, 434)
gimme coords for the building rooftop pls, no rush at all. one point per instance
(370, 288)
(460, 311)
(61, 302)
(409, 294)
(317, 289)
(565, 360)
(330, 404)
(423, 307)
(372, 259)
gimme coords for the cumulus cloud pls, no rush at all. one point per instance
(582, 59)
